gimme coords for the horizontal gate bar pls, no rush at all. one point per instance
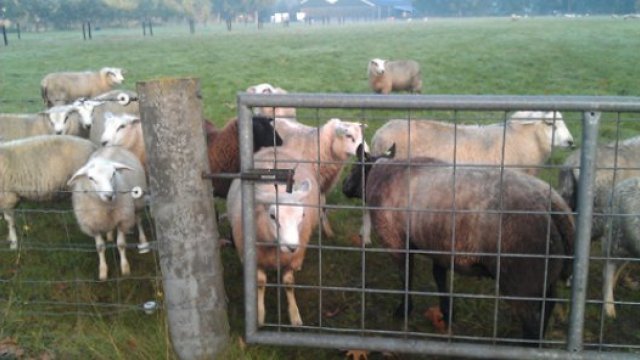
(444, 102)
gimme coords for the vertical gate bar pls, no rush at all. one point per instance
(582, 245)
(245, 136)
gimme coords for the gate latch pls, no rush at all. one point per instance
(259, 175)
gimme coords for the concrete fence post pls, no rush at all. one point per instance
(182, 208)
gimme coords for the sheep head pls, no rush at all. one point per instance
(348, 136)
(114, 75)
(376, 67)
(85, 108)
(354, 183)
(117, 128)
(59, 117)
(264, 135)
(286, 215)
(102, 175)
(555, 130)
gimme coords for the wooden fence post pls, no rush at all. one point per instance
(182, 207)
(4, 36)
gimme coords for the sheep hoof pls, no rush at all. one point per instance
(143, 248)
(13, 245)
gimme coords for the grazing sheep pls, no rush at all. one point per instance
(527, 140)
(117, 102)
(279, 112)
(37, 169)
(386, 76)
(614, 163)
(64, 87)
(622, 236)
(105, 197)
(125, 130)
(532, 220)
(223, 148)
(281, 219)
(327, 148)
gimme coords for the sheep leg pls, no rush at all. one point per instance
(400, 260)
(122, 249)
(143, 244)
(102, 261)
(11, 224)
(440, 276)
(529, 314)
(326, 226)
(110, 236)
(294, 313)
(365, 230)
(609, 280)
(261, 281)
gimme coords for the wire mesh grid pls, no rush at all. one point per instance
(350, 293)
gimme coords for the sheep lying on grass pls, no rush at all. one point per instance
(125, 130)
(116, 102)
(107, 194)
(284, 223)
(386, 76)
(622, 236)
(528, 140)
(37, 169)
(223, 148)
(534, 222)
(280, 112)
(64, 87)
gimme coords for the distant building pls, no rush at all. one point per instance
(359, 9)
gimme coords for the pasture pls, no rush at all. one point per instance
(50, 301)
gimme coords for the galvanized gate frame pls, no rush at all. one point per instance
(588, 105)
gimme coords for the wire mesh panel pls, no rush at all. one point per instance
(469, 233)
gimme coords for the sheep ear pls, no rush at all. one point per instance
(391, 152)
(251, 89)
(81, 172)
(120, 166)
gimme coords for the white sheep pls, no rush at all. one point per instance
(59, 120)
(37, 169)
(125, 130)
(622, 236)
(61, 88)
(528, 140)
(386, 76)
(283, 219)
(280, 112)
(107, 195)
(116, 102)
(327, 148)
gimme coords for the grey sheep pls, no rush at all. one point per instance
(108, 194)
(37, 169)
(622, 236)
(61, 88)
(386, 76)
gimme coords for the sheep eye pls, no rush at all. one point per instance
(272, 216)
(120, 127)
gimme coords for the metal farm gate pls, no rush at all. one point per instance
(345, 305)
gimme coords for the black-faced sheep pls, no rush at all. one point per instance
(223, 148)
(622, 236)
(386, 76)
(279, 112)
(614, 163)
(527, 140)
(105, 197)
(65, 87)
(509, 212)
(37, 169)
(284, 223)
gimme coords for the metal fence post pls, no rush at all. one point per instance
(182, 207)
(582, 246)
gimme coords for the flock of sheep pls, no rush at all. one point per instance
(92, 136)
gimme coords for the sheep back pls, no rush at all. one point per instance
(18, 126)
(64, 87)
(36, 168)
(479, 196)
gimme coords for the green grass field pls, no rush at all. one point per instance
(47, 289)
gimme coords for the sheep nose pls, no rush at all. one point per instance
(292, 248)
(104, 143)
(58, 132)
(571, 144)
